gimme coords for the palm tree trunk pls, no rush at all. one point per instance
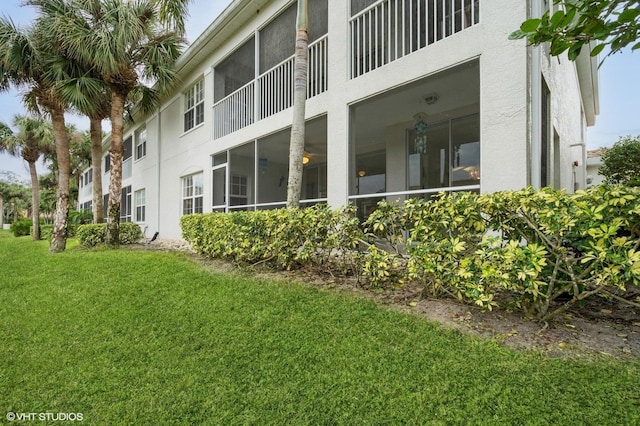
(296, 144)
(35, 202)
(59, 234)
(95, 130)
(115, 183)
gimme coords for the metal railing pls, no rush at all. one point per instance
(390, 29)
(235, 111)
(270, 93)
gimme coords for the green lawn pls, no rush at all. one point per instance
(132, 337)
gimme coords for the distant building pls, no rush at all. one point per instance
(594, 161)
(406, 98)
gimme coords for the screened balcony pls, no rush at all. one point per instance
(256, 81)
(270, 93)
(386, 30)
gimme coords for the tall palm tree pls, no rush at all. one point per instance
(34, 138)
(296, 144)
(25, 59)
(128, 44)
(81, 86)
(90, 96)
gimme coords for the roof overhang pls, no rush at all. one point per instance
(234, 17)
(587, 68)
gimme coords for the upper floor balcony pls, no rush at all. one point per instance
(270, 93)
(384, 31)
(256, 80)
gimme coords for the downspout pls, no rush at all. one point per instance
(581, 182)
(158, 191)
(535, 90)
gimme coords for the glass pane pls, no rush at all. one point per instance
(187, 186)
(128, 149)
(188, 120)
(200, 113)
(187, 206)
(465, 140)
(428, 157)
(371, 175)
(219, 187)
(198, 184)
(242, 167)
(199, 89)
(366, 206)
(220, 158)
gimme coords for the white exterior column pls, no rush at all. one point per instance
(503, 98)
(338, 110)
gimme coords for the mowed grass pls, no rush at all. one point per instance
(134, 337)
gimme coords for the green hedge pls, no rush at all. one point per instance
(540, 251)
(285, 238)
(21, 227)
(91, 235)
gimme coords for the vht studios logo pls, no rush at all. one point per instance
(51, 417)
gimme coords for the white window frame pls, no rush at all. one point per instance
(125, 216)
(141, 143)
(140, 204)
(194, 106)
(192, 189)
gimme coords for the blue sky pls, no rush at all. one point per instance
(619, 86)
(201, 14)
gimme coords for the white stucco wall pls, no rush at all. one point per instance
(505, 110)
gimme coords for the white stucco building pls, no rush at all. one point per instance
(498, 114)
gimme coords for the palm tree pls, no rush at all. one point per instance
(25, 59)
(4, 132)
(296, 145)
(127, 44)
(34, 138)
(90, 96)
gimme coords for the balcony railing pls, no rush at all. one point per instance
(270, 93)
(391, 29)
(234, 112)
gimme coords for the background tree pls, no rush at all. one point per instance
(83, 88)
(613, 23)
(16, 198)
(33, 138)
(296, 144)
(26, 58)
(48, 184)
(5, 131)
(4, 189)
(621, 163)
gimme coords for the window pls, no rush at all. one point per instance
(105, 206)
(238, 190)
(88, 178)
(127, 148)
(125, 204)
(192, 190)
(107, 162)
(194, 106)
(545, 133)
(140, 201)
(141, 143)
